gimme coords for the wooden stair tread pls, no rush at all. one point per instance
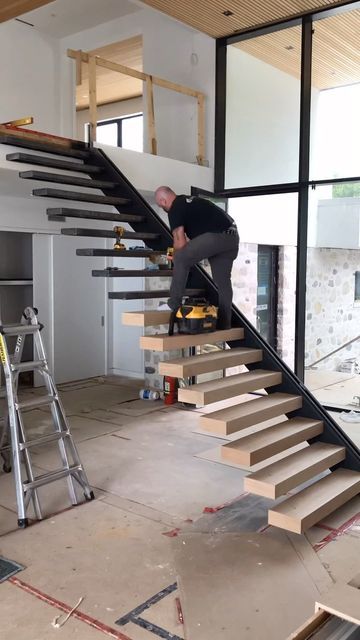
(145, 318)
(163, 342)
(107, 233)
(56, 149)
(45, 176)
(121, 253)
(55, 163)
(314, 503)
(282, 476)
(61, 213)
(228, 387)
(268, 442)
(79, 196)
(148, 295)
(208, 362)
(247, 414)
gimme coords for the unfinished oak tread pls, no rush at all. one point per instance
(282, 476)
(216, 390)
(145, 318)
(314, 503)
(45, 147)
(61, 178)
(108, 233)
(148, 295)
(247, 414)
(61, 213)
(54, 163)
(123, 253)
(79, 196)
(133, 273)
(208, 362)
(164, 342)
(270, 441)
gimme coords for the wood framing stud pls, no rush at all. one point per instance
(201, 128)
(151, 116)
(92, 98)
(78, 68)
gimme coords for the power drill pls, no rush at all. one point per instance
(119, 231)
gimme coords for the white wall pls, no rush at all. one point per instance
(29, 76)
(262, 122)
(106, 112)
(167, 52)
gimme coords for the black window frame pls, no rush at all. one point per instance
(303, 184)
(119, 122)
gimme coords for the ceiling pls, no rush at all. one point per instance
(113, 86)
(336, 51)
(61, 18)
(208, 15)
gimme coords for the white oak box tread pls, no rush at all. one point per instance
(282, 476)
(269, 441)
(145, 318)
(164, 342)
(314, 503)
(208, 362)
(247, 414)
(216, 390)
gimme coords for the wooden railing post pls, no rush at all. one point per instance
(201, 129)
(151, 115)
(92, 99)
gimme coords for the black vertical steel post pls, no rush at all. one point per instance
(304, 168)
(220, 115)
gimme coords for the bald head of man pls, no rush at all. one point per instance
(164, 197)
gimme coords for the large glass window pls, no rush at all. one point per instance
(126, 132)
(263, 109)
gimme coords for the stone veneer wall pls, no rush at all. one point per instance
(332, 316)
(286, 305)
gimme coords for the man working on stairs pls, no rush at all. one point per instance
(200, 230)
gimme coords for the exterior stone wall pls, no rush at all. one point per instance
(286, 305)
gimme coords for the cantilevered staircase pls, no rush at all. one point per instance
(297, 418)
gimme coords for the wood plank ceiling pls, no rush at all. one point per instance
(223, 17)
(113, 86)
(10, 9)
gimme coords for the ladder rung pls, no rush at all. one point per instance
(28, 366)
(20, 329)
(33, 404)
(51, 476)
(38, 442)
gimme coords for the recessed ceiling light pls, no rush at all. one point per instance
(228, 13)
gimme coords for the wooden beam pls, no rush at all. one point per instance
(201, 129)
(151, 116)
(145, 318)
(208, 362)
(78, 60)
(92, 98)
(13, 9)
(164, 342)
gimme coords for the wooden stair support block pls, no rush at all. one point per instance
(306, 508)
(79, 196)
(61, 213)
(208, 362)
(216, 390)
(163, 342)
(145, 318)
(55, 163)
(62, 178)
(282, 476)
(247, 414)
(270, 441)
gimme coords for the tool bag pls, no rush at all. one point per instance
(195, 315)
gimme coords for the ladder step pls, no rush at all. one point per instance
(148, 295)
(59, 178)
(61, 213)
(282, 476)
(20, 329)
(79, 196)
(164, 342)
(208, 362)
(41, 401)
(216, 390)
(145, 318)
(134, 273)
(51, 476)
(44, 161)
(28, 366)
(109, 233)
(45, 147)
(314, 503)
(38, 442)
(249, 413)
(118, 253)
(269, 441)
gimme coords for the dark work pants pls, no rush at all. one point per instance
(221, 250)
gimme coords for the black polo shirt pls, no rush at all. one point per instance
(197, 216)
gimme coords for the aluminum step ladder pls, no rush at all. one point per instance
(14, 446)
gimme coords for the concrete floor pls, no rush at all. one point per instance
(117, 552)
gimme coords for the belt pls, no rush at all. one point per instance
(232, 231)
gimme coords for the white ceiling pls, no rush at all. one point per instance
(62, 18)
